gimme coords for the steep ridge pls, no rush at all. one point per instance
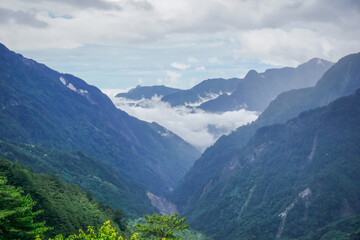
(203, 91)
(147, 92)
(256, 90)
(43, 107)
(87, 173)
(340, 80)
(297, 180)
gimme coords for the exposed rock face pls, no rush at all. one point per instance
(162, 204)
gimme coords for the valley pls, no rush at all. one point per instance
(273, 154)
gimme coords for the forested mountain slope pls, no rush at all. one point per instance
(46, 108)
(87, 173)
(297, 180)
(66, 207)
(342, 79)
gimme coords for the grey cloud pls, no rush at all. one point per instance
(142, 5)
(248, 14)
(97, 4)
(21, 17)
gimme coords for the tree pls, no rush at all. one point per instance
(159, 227)
(106, 232)
(16, 215)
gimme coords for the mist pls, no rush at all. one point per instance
(197, 127)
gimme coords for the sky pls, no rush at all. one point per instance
(119, 44)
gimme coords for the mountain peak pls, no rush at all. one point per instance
(252, 74)
(316, 62)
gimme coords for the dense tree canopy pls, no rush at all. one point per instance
(161, 226)
(17, 215)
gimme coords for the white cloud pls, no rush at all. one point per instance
(201, 69)
(140, 81)
(113, 92)
(286, 32)
(192, 60)
(214, 60)
(197, 127)
(172, 78)
(277, 46)
(180, 66)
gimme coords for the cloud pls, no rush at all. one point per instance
(180, 66)
(161, 31)
(201, 69)
(159, 81)
(197, 127)
(277, 46)
(113, 92)
(21, 17)
(162, 19)
(214, 60)
(192, 60)
(172, 78)
(84, 4)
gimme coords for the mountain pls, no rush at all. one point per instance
(66, 207)
(297, 180)
(256, 90)
(147, 92)
(340, 80)
(88, 173)
(205, 90)
(59, 111)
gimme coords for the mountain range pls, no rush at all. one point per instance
(207, 89)
(45, 108)
(256, 90)
(242, 169)
(253, 92)
(147, 92)
(291, 174)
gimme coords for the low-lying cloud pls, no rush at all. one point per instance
(195, 126)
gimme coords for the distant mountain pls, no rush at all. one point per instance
(256, 90)
(59, 111)
(203, 91)
(340, 80)
(147, 92)
(298, 180)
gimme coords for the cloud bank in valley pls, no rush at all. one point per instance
(195, 126)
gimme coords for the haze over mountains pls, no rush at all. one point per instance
(215, 107)
(289, 173)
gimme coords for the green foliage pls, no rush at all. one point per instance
(106, 232)
(88, 173)
(161, 226)
(17, 215)
(66, 207)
